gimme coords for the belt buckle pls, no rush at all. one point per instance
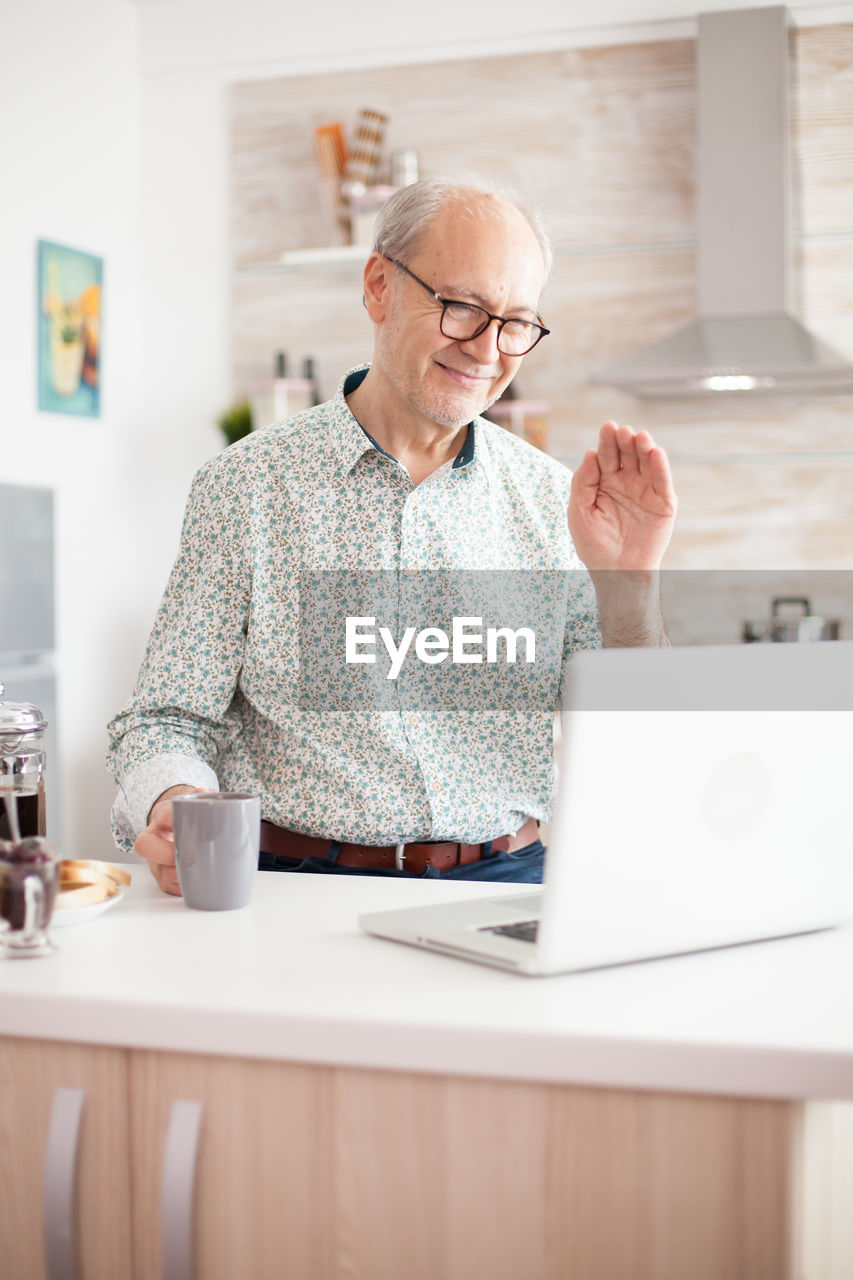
(400, 855)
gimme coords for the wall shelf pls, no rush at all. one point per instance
(304, 259)
(347, 254)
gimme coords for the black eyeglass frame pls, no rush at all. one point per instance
(444, 303)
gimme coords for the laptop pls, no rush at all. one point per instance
(703, 801)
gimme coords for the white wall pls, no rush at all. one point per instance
(74, 170)
(69, 160)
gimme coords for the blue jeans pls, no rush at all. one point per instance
(525, 866)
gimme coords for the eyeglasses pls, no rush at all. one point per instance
(464, 321)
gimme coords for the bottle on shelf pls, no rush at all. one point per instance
(280, 397)
(309, 376)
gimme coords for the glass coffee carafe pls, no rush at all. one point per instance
(22, 765)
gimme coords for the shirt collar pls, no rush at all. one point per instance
(352, 441)
(349, 439)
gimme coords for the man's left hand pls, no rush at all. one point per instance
(623, 504)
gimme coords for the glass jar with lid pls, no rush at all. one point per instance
(22, 769)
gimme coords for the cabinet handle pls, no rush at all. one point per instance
(178, 1190)
(59, 1189)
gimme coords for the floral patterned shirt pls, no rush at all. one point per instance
(243, 685)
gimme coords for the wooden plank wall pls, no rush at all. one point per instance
(602, 141)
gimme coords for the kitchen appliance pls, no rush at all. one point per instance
(791, 620)
(27, 659)
(745, 337)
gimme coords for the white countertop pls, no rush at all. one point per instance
(291, 977)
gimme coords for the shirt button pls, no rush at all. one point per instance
(436, 786)
(414, 721)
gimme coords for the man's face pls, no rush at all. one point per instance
(487, 255)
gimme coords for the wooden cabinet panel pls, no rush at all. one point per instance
(30, 1073)
(326, 1173)
(265, 1189)
(668, 1186)
(467, 1178)
(441, 1177)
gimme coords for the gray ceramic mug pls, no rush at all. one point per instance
(216, 848)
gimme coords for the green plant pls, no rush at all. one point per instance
(236, 422)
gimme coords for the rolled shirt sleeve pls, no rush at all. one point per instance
(180, 718)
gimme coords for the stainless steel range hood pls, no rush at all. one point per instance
(745, 337)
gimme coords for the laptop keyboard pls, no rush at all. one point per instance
(523, 930)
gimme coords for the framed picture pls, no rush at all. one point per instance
(69, 330)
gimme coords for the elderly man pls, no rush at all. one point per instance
(397, 472)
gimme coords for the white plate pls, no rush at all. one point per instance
(79, 915)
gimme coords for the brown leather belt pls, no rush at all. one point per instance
(409, 857)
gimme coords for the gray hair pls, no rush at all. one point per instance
(406, 216)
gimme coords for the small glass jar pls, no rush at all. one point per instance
(22, 769)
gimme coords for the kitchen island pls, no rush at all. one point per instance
(366, 1109)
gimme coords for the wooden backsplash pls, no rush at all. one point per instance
(602, 141)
